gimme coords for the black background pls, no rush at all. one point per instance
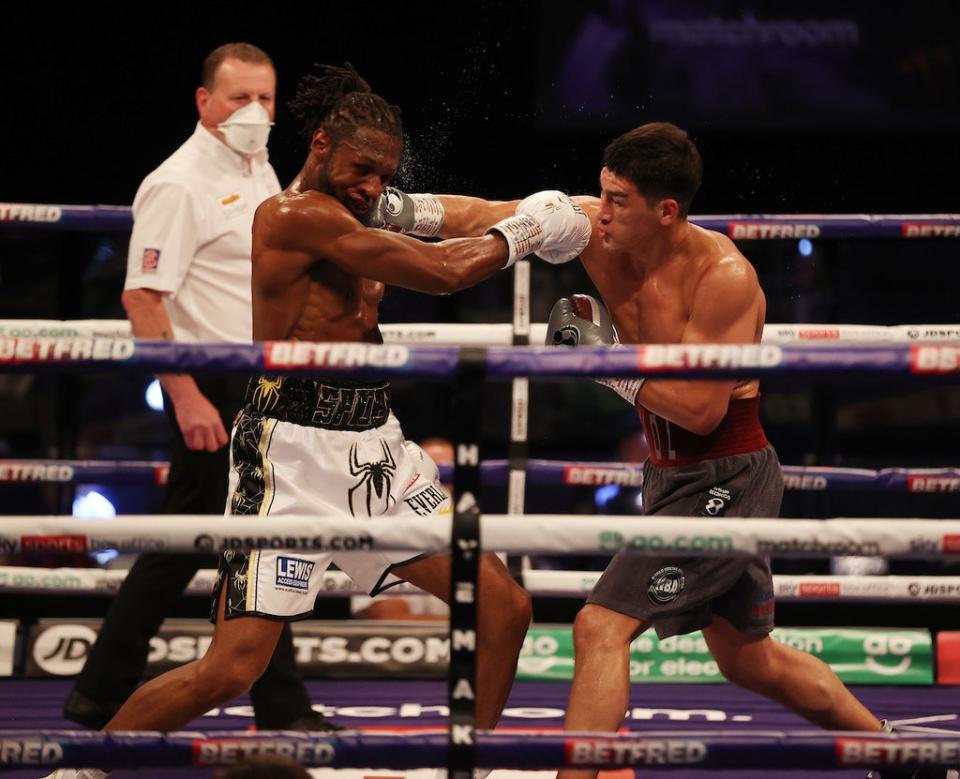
(98, 94)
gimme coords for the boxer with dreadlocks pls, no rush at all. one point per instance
(331, 446)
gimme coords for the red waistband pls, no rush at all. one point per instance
(738, 432)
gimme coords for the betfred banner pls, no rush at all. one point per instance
(858, 656)
(368, 650)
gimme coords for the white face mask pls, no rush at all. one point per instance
(247, 129)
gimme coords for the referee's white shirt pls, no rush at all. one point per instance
(192, 223)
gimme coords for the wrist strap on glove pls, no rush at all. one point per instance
(625, 388)
(523, 234)
(428, 215)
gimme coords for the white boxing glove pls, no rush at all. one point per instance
(425, 464)
(567, 228)
(548, 224)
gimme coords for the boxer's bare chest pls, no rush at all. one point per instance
(650, 307)
(337, 306)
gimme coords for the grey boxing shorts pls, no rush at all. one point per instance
(681, 594)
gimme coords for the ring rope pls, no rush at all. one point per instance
(541, 583)
(502, 334)
(574, 473)
(700, 361)
(749, 227)
(638, 751)
(716, 749)
(529, 534)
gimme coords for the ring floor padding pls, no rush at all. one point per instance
(397, 705)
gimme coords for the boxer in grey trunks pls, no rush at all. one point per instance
(667, 281)
(681, 594)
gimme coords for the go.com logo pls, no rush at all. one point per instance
(881, 648)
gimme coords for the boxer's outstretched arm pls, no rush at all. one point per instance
(468, 216)
(289, 240)
(435, 268)
(471, 216)
(727, 308)
(292, 240)
(446, 216)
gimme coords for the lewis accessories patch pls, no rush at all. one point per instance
(293, 573)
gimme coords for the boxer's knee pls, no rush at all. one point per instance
(520, 607)
(599, 629)
(757, 666)
(506, 611)
(223, 676)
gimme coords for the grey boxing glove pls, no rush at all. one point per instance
(416, 214)
(584, 320)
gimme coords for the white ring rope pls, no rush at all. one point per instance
(541, 583)
(501, 334)
(527, 534)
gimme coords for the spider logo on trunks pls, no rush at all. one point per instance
(376, 479)
(267, 394)
(240, 581)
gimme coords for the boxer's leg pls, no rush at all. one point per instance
(798, 680)
(600, 692)
(240, 650)
(503, 616)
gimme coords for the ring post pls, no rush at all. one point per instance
(464, 563)
(519, 408)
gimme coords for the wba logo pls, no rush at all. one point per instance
(293, 574)
(666, 585)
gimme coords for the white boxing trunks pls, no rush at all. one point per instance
(308, 446)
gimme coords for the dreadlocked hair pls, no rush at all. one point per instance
(340, 102)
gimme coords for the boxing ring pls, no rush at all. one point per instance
(688, 730)
(417, 707)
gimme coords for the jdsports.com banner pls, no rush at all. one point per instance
(347, 650)
(358, 650)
